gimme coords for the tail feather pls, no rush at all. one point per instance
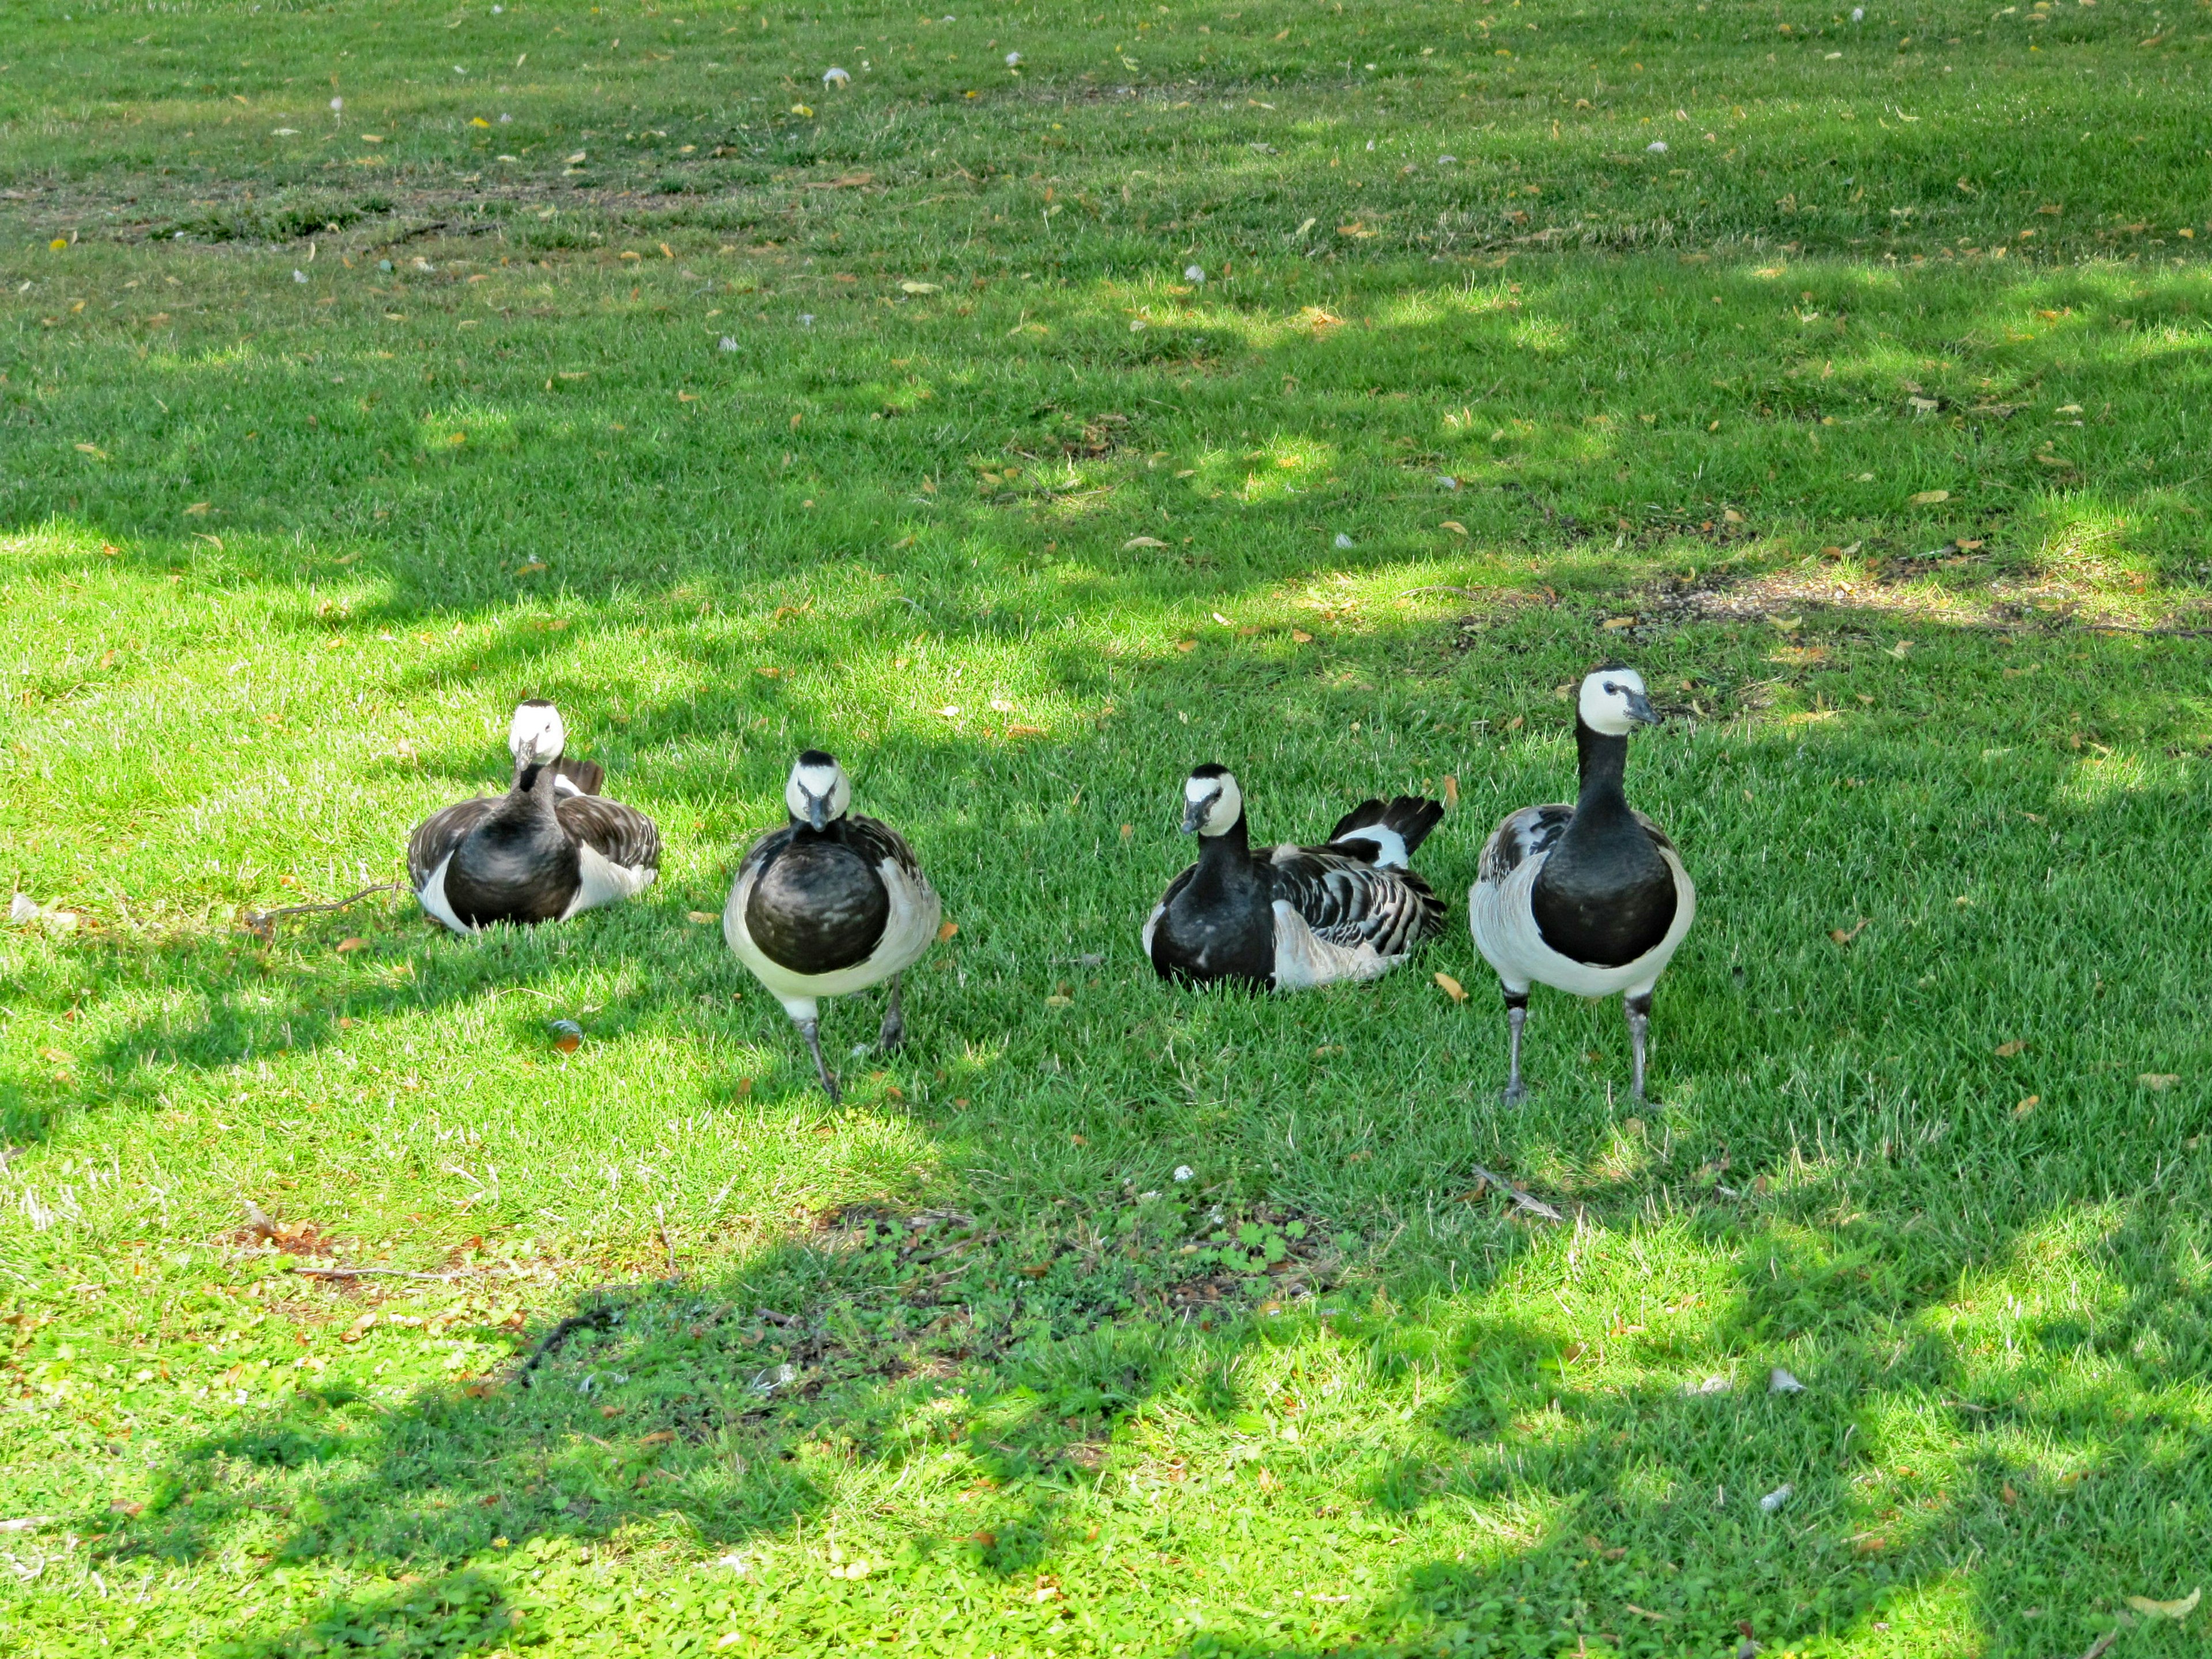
(1409, 816)
(585, 777)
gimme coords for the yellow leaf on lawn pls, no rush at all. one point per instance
(2180, 1609)
(1452, 792)
(2006, 1050)
(918, 288)
(2158, 1079)
(1454, 526)
(1451, 988)
(197, 508)
(1058, 1001)
(1299, 637)
(1618, 623)
(1929, 497)
(1142, 541)
(530, 569)
(93, 450)
(702, 917)
(355, 944)
(946, 930)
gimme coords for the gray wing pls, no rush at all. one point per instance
(877, 842)
(437, 836)
(620, 835)
(1527, 832)
(1349, 902)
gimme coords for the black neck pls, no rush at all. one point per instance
(1230, 850)
(534, 794)
(1604, 762)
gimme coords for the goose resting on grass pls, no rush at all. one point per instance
(1298, 916)
(1590, 898)
(548, 847)
(829, 904)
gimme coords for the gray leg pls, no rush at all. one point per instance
(1517, 1016)
(810, 1030)
(1639, 1021)
(893, 1033)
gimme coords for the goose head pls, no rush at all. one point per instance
(536, 735)
(1211, 803)
(1613, 702)
(818, 792)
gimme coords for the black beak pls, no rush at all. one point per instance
(817, 811)
(1194, 811)
(1640, 709)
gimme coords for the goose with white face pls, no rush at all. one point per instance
(830, 903)
(550, 847)
(1590, 898)
(1293, 917)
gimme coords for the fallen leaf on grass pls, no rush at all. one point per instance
(2026, 1105)
(702, 917)
(530, 569)
(946, 930)
(353, 943)
(1454, 526)
(1142, 541)
(2006, 1050)
(1451, 793)
(2180, 1609)
(1844, 936)
(2158, 1080)
(1299, 637)
(1451, 988)
(918, 288)
(198, 509)
(1618, 623)
(1929, 497)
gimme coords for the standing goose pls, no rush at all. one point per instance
(1300, 915)
(829, 903)
(546, 849)
(1590, 898)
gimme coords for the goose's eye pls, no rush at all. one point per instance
(1611, 690)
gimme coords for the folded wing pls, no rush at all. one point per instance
(620, 835)
(437, 836)
(1349, 902)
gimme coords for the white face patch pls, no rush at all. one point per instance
(1228, 802)
(827, 784)
(537, 735)
(1604, 703)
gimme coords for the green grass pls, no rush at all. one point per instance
(984, 495)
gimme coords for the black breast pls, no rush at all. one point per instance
(817, 907)
(512, 870)
(1605, 900)
(1219, 926)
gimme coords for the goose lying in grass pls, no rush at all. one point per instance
(1590, 898)
(548, 847)
(1295, 916)
(829, 904)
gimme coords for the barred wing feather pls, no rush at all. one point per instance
(622, 835)
(1348, 901)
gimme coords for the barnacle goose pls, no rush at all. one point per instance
(1590, 898)
(829, 903)
(1297, 917)
(548, 847)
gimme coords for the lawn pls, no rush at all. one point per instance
(1316, 388)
